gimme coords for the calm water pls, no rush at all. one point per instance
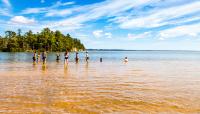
(151, 82)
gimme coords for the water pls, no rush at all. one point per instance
(151, 82)
(109, 56)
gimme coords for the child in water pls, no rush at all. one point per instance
(34, 57)
(86, 56)
(57, 56)
(126, 59)
(44, 56)
(101, 59)
(76, 58)
(38, 57)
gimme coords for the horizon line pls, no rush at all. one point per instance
(138, 50)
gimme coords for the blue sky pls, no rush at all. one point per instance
(110, 24)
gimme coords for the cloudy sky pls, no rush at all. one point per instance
(110, 24)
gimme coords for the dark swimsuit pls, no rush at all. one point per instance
(76, 58)
(57, 58)
(34, 59)
(43, 57)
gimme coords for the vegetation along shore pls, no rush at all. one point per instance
(45, 40)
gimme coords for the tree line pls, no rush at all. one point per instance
(45, 40)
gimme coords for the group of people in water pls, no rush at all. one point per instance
(36, 57)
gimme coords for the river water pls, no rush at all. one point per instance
(151, 82)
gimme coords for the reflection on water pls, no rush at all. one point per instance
(161, 86)
(44, 67)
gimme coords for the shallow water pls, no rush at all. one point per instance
(151, 82)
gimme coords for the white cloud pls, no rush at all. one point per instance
(7, 3)
(160, 17)
(5, 12)
(108, 35)
(59, 3)
(139, 36)
(58, 13)
(101, 34)
(5, 9)
(86, 13)
(98, 33)
(46, 9)
(93, 12)
(180, 32)
(115, 9)
(185, 31)
(33, 10)
(22, 20)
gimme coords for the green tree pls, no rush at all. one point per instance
(46, 39)
(30, 39)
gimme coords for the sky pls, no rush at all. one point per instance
(110, 24)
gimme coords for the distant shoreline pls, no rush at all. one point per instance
(134, 50)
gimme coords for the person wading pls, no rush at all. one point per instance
(44, 57)
(76, 58)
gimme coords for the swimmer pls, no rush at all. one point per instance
(126, 59)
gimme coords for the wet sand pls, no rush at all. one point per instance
(108, 87)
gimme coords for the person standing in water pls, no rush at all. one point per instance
(34, 57)
(38, 56)
(101, 60)
(44, 57)
(57, 56)
(76, 58)
(66, 56)
(87, 56)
